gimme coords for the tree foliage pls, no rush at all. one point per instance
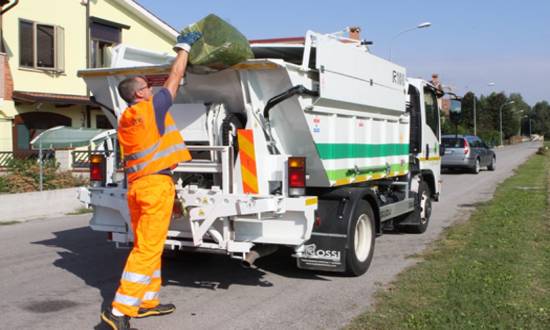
(515, 117)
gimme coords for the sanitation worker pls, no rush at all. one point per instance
(152, 146)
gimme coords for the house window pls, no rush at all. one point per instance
(103, 37)
(101, 121)
(41, 46)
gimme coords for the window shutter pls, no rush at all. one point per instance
(59, 49)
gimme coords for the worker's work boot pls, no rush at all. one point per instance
(161, 309)
(115, 322)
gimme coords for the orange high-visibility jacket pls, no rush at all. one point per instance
(145, 150)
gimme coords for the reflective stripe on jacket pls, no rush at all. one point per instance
(145, 151)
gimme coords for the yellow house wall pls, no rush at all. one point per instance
(71, 16)
(140, 34)
(76, 113)
(5, 135)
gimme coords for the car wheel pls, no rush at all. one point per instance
(477, 167)
(492, 165)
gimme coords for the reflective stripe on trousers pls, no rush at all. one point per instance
(150, 200)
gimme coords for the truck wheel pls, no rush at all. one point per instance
(360, 239)
(418, 220)
(492, 166)
(477, 167)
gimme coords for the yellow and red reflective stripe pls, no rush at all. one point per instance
(248, 161)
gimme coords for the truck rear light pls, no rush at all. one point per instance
(296, 176)
(97, 170)
(177, 209)
(466, 147)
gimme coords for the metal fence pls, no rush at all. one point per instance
(5, 158)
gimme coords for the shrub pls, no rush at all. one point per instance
(24, 176)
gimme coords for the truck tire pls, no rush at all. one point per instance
(492, 165)
(360, 239)
(418, 220)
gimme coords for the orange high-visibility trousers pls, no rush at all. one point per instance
(150, 200)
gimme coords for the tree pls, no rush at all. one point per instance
(541, 118)
(490, 115)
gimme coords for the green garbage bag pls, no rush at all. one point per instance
(221, 45)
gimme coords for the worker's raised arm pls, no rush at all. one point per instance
(182, 47)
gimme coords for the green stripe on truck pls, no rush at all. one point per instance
(351, 150)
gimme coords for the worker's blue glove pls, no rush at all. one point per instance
(185, 41)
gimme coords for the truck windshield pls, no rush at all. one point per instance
(453, 142)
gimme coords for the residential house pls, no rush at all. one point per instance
(45, 43)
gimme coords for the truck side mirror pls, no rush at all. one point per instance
(441, 150)
(455, 112)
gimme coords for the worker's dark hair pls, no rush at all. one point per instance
(128, 88)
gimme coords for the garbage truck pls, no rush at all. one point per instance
(318, 147)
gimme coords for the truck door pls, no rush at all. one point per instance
(413, 107)
(430, 138)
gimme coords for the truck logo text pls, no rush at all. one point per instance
(398, 78)
(312, 253)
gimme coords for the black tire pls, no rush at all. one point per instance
(492, 166)
(362, 234)
(229, 127)
(419, 219)
(477, 167)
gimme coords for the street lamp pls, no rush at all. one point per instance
(529, 118)
(491, 84)
(419, 26)
(500, 114)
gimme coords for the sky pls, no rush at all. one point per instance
(482, 46)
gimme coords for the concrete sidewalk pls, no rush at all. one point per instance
(32, 205)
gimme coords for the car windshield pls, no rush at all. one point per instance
(453, 142)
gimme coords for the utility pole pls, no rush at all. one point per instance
(500, 112)
(475, 124)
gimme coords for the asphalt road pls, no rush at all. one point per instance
(57, 273)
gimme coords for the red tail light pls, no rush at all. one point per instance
(97, 168)
(466, 147)
(177, 209)
(296, 176)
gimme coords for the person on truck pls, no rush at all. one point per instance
(152, 146)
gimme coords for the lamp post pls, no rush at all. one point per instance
(491, 84)
(500, 115)
(419, 26)
(475, 120)
(529, 127)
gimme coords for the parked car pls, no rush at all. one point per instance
(467, 152)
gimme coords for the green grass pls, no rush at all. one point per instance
(7, 223)
(82, 210)
(492, 272)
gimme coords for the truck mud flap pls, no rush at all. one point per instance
(326, 249)
(325, 252)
